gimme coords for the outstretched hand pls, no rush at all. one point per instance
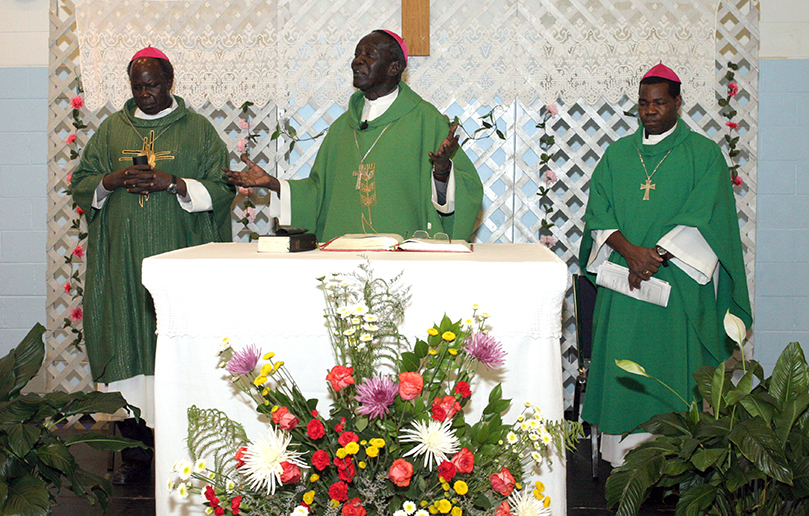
(254, 176)
(441, 156)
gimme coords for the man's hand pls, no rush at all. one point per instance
(138, 179)
(253, 176)
(441, 157)
(643, 262)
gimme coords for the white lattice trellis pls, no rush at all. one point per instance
(509, 169)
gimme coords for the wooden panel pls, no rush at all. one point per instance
(416, 26)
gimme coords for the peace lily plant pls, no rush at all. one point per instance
(744, 451)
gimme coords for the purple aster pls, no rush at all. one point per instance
(376, 395)
(486, 349)
(244, 360)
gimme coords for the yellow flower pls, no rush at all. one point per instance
(266, 402)
(372, 451)
(433, 510)
(268, 356)
(275, 408)
(448, 336)
(453, 351)
(309, 497)
(314, 478)
(444, 506)
(546, 502)
(445, 486)
(352, 448)
(433, 352)
(540, 486)
(265, 392)
(423, 503)
(334, 503)
(362, 464)
(460, 487)
(378, 442)
(518, 485)
(432, 331)
(278, 365)
(363, 442)
(457, 511)
(260, 380)
(341, 453)
(266, 369)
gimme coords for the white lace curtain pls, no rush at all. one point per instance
(492, 51)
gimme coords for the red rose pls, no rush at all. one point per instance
(338, 491)
(444, 408)
(320, 459)
(315, 429)
(340, 376)
(314, 413)
(219, 511)
(345, 469)
(732, 125)
(503, 510)
(410, 385)
(737, 180)
(235, 504)
(348, 437)
(400, 472)
(283, 418)
(353, 507)
(239, 456)
(464, 461)
(446, 470)
(463, 389)
(291, 473)
(503, 482)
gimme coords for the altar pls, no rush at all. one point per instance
(228, 290)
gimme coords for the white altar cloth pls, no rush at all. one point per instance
(206, 293)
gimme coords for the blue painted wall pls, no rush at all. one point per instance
(782, 238)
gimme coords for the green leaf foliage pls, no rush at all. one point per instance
(27, 496)
(21, 438)
(790, 376)
(628, 485)
(101, 441)
(694, 501)
(211, 431)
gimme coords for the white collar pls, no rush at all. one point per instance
(373, 109)
(140, 114)
(654, 139)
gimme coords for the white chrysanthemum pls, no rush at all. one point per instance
(435, 441)
(537, 413)
(545, 436)
(365, 338)
(356, 321)
(524, 503)
(345, 312)
(184, 469)
(360, 310)
(409, 507)
(527, 403)
(520, 418)
(524, 426)
(200, 465)
(171, 485)
(533, 436)
(211, 475)
(422, 512)
(349, 332)
(476, 307)
(468, 321)
(370, 318)
(512, 438)
(537, 457)
(300, 511)
(263, 458)
(182, 489)
(485, 315)
(223, 346)
(533, 424)
(400, 512)
(370, 327)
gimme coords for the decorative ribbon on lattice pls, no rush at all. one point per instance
(273, 50)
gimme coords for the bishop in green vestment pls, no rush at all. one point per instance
(660, 195)
(390, 164)
(180, 198)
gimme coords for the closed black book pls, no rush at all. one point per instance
(287, 243)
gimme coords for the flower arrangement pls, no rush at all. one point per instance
(394, 443)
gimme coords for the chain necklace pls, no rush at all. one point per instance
(357, 143)
(649, 185)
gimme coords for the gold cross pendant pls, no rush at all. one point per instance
(648, 186)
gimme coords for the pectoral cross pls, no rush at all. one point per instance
(148, 151)
(648, 186)
(364, 172)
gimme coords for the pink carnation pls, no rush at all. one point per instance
(76, 314)
(77, 102)
(78, 251)
(243, 124)
(241, 145)
(732, 125)
(737, 181)
(547, 240)
(79, 211)
(550, 178)
(69, 177)
(553, 109)
(70, 139)
(67, 287)
(733, 89)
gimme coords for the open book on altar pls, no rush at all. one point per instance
(393, 242)
(616, 277)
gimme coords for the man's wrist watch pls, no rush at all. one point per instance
(172, 188)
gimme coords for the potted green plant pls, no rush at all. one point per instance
(33, 459)
(744, 451)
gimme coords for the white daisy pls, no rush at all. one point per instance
(476, 307)
(436, 441)
(545, 436)
(356, 321)
(171, 485)
(537, 457)
(400, 512)
(524, 503)
(533, 436)
(185, 469)
(370, 327)
(200, 465)
(370, 318)
(366, 338)
(512, 438)
(209, 510)
(409, 507)
(263, 458)
(211, 475)
(345, 312)
(300, 511)
(230, 486)
(524, 426)
(223, 346)
(468, 321)
(360, 310)
(422, 512)
(349, 332)
(182, 489)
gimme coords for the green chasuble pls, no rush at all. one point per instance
(692, 188)
(390, 190)
(119, 317)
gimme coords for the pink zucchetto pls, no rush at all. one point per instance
(149, 51)
(662, 71)
(399, 40)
